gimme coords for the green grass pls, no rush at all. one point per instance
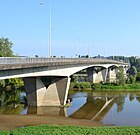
(4, 133)
(105, 86)
(73, 130)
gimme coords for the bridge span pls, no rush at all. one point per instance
(47, 80)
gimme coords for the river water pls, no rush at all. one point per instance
(122, 109)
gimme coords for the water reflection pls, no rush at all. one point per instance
(53, 111)
(109, 108)
(95, 108)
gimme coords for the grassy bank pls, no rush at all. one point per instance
(72, 130)
(105, 86)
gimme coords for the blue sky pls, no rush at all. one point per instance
(97, 27)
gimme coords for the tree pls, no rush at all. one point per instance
(132, 79)
(121, 76)
(6, 47)
(9, 94)
(132, 71)
(132, 61)
(138, 77)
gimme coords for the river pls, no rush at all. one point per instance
(113, 108)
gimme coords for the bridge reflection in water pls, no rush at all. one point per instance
(93, 108)
(50, 111)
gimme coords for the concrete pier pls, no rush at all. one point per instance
(53, 95)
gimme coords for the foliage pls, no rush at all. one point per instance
(11, 97)
(119, 58)
(134, 61)
(105, 86)
(17, 82)
(5, 47)
(73, 130)
(132, 71)
(8, 92)
(4, 133)
(82, 85)
(132, 79)
(138, 77)
(96, 86)
(120, 76)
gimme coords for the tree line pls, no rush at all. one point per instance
(8, 87)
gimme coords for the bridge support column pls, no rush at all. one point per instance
(112, 75)
(90, 73)
(97, 77)
(53, 95)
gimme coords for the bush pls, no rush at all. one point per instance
(96, 86)
(81, 85)
(78, 86)
(74, 130)
(132, 79)
(138, 77)
(85, 85)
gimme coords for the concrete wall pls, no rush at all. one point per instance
(54, 95)
(112, 73)
(97, 77)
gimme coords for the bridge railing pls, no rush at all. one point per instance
(24, 60)
(17, 60)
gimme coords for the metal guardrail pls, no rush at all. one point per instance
(26, 60)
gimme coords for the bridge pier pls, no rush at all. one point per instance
(55, 94)
(97, 77)
(112, 73)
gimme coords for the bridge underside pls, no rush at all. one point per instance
(53, 90)
(47, 91)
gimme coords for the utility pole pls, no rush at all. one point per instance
(76, 48)
(50, 32)
(50, 29)
(89, 42)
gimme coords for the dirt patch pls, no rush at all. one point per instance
(9, 122)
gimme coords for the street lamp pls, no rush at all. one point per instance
(89, 40)
(50, 29)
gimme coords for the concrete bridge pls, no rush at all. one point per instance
(47, 80)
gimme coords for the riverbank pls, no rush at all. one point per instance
(104, 86)
(10, 122)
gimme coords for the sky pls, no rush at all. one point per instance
(79, 27)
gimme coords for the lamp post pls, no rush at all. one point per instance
(50, 32)
(76, 49)
(89, 43)
(50, 29)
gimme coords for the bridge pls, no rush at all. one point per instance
(47, 80)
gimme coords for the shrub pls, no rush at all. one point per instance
(74, 130)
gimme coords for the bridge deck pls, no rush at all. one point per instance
(23, 62)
